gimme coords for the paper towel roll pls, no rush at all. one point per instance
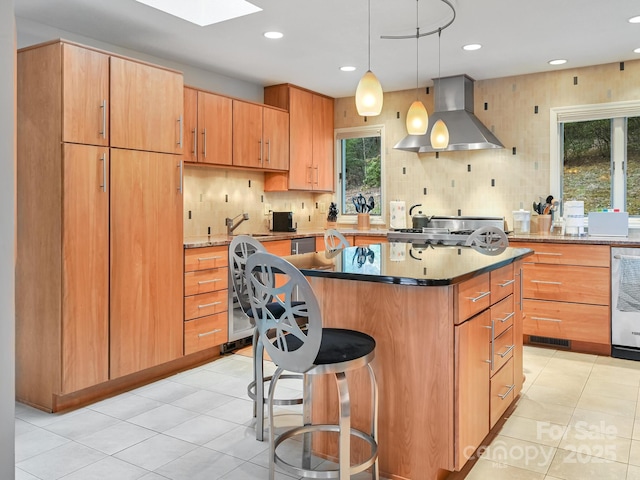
(397, 214)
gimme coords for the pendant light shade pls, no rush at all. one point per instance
(369, 92)
(417, 119)
(369, 95)
(439, 136)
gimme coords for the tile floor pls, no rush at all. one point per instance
(578, 418)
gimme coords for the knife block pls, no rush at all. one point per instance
(364, 221)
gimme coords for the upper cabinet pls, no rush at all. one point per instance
(146, 107)
(85, 93)
(208, 127)
(311, 163)
(260, 136)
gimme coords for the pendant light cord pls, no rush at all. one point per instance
(369, 35)
(439, 34)
(417, 49)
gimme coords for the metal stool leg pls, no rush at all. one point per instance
(375, 472)
(307, 395)
(344, 440)
(259, 400)
(272, 428)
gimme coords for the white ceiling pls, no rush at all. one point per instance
(518, 37)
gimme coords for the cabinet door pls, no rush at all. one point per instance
(275, 134)
(301, 139)
(85, 267)
(85, 94)
(215, 129)
(146, 261)
(146, 107)
(247, 135)
(323, 165)
(472, 385)
(190, 150)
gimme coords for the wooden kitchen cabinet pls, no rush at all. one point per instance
(215, 129)
(473, 385)
(260, 136)
(146, 104)
(566, 296)
(206, 298)
(190, 103)
(146, 261)
(311, 163)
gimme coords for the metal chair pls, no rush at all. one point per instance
(314, 351)
(334, 240)
(240, 249)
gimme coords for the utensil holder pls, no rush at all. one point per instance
(364, 221)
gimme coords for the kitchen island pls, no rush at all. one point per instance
(448, 327)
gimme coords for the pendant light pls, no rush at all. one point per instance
(439, 132)
(417, 116)
(369, 91)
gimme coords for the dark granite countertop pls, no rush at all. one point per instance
(404, 264)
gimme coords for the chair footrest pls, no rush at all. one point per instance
(251, 391)
(303, 472)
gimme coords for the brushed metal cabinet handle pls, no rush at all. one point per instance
(103, 107)
(505, 395)
(546, 282)
(506, 352)
(204, 259)
(103, 159)
(507, 283)
(544, 319)
(212, 304)
(482, 295)
(180, 132)
(200, 335)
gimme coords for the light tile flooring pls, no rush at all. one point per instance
(578, 418)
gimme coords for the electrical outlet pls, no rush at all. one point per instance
(267, 208)
(323, 207)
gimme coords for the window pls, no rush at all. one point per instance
(595, 155)
(360, 163)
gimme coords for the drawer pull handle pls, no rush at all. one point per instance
(206, 305)
(482, 295)
(204, 259)
(507, 283)
(200, 335)
(549, 253)
(493, 331)
(544, 319)
(502, 320)
(545, 282)
(201, 282)
(506, 352)
(511, 387)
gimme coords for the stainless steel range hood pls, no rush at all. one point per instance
(454, 105)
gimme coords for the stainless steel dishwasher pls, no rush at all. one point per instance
(625, 303)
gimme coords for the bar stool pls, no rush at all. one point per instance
(316, 351)
(334, 240)
(240, 249)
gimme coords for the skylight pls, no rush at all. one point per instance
(204, 12)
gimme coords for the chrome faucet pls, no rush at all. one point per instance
(232, 226)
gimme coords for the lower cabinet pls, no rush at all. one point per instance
(206, 298)
(488, 351)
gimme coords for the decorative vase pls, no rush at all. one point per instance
(363, 221)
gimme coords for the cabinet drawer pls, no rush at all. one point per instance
(586, 323)
(502, 392)
(205, 304)
(204, 258)
(567, 283)
(567, 254)
(282, 248)
(205, 332)
(203, 281)
(473, 296)
(502, 282)
(502, 349)
(502, 315)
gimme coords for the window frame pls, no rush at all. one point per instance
(358, 132)
(617, 112)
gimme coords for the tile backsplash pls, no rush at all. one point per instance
(212, 194)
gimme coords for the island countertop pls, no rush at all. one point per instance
(405, 264)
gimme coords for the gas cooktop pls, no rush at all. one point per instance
(445, 230)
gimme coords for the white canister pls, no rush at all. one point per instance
(521, 221)
(574, 217)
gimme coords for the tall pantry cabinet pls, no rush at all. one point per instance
(99, 247)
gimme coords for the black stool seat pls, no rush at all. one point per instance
(338, 345)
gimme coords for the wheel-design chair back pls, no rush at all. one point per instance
(334, 240)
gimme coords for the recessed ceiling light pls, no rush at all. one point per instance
(635, 19)
(347, 68)
(637, 50)
(273, 35)
(472, 46)
(204, 12)
(559, 61)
